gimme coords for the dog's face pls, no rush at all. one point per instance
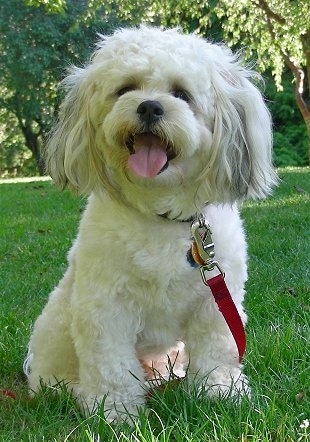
(155, 111)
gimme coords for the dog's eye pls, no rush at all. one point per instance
(182, 94)
(124, 90)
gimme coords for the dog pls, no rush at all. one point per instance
(159, 128)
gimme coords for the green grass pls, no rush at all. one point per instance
(37, 225)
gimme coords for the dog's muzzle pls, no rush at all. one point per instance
(149, 152)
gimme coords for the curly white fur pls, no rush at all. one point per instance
(129, 294)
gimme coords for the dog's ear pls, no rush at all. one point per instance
(71, 156)
(242, 147)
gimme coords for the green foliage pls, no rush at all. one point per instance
(290, 147)
(51, 6)
(277, 34)
(246, 21)
(16, 158)
(36, 45)
(290, 133)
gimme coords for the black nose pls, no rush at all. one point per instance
(150, 112)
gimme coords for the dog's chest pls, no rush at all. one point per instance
(159, 261)
(166, 306)
(142, 261)
(162, 279)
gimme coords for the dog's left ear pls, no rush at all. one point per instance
(242, 138)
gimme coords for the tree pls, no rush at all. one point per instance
(35, 47)
(289, 134)
(51, 5)
(278, 32)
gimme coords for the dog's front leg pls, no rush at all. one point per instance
(109, 370)
(213, 353)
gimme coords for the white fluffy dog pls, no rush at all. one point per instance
(158, 128)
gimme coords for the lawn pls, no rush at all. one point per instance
(37, 225)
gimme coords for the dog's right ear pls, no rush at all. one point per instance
(71, 156)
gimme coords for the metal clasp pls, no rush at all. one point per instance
(202, 235)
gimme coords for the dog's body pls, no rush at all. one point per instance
(158, 128)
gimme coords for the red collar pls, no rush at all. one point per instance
(203, 254)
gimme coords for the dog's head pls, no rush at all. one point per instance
(159, 117)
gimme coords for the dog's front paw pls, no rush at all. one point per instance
(122, 412)
(224, 383)
(235, 388)
(113, 410)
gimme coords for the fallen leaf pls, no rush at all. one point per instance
(300, 396)
(8, 394)
(300, 190)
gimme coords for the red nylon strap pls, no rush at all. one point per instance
(228, 309)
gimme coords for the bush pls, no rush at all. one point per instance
(285, 153)
(290, 133)
(45, 44)
(15, 158)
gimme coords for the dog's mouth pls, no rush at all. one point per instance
(149, 154)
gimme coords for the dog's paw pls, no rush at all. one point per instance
(222, 383)
(122, 412)
(232, 388)
(112, 411)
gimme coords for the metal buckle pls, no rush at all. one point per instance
(202, 235)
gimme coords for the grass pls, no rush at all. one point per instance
(37, 225)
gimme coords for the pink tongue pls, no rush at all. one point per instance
(150, 156)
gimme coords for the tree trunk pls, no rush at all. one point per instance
(299, 95)
(300, 88)
(305, 39)
(308, 130)
(32, 141)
